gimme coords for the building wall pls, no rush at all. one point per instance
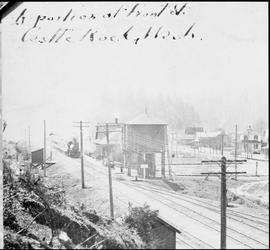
(114, 149)
(214, 142)
(142, 143)
(145, 138)
(164, 236)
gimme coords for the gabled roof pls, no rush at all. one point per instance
(145, 119)
(208, 134)
(169, 225)
(114, 138)
(187, 137)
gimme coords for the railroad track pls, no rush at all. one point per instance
(175, 206)
(186, 238)
(235, 215)
(165, 197)
(196, 243)
(241, 238)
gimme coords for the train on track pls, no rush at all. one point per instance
(73, 148)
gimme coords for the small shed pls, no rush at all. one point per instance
(165, 234)
(37, 157)
(144, 138)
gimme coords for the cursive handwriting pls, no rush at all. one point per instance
(85, 33)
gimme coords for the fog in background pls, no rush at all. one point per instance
(219, 81)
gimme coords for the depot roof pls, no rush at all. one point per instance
(114, 138)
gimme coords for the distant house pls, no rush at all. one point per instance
(251, 142)
(193, 130)
(187, 139)
(211, 139)
(189, 135)
(265, 143)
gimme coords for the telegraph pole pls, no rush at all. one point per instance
(109, 171)
(223, 204)
(29, 144)
(104, 129)
(25, 137)
(29, 138)
(44, 150)
(168, 151)
(223, 194)
(81, 150)
(172, 142)
(124, 148)
(222, 142)
(82, 162)
(235, 153)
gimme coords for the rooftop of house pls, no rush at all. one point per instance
(114, 138)
(167, 224)
(208, 134)
(187, 137)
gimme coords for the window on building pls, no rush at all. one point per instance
(256, 137)
(255, 146)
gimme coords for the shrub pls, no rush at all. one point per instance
(143, 220)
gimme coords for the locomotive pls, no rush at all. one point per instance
(73, 148)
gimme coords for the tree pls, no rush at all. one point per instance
(142, 219)
(4, 126)
(259, 125)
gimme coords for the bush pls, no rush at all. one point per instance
(142, 219)
(35, 213)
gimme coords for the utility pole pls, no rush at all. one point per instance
(29, 144)
(124, 148)
(223, 204)
(25, 137)
(235, 152)
(169, 158)
(82, 162)
(176, 143)
(109, 171)
(44, 150)
(106, 129)
(172, 142)
(81, 149)
(223, 194)
(29, 139)
(222, 142)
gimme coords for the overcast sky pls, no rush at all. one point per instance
(224, 74)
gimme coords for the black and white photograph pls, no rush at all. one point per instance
(134, 125)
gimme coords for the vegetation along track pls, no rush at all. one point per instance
(187, 238)
(244, 218)
(239, 237)
(176, 205)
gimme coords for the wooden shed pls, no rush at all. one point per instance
(164, 234)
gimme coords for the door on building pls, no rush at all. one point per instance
(150, 160)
